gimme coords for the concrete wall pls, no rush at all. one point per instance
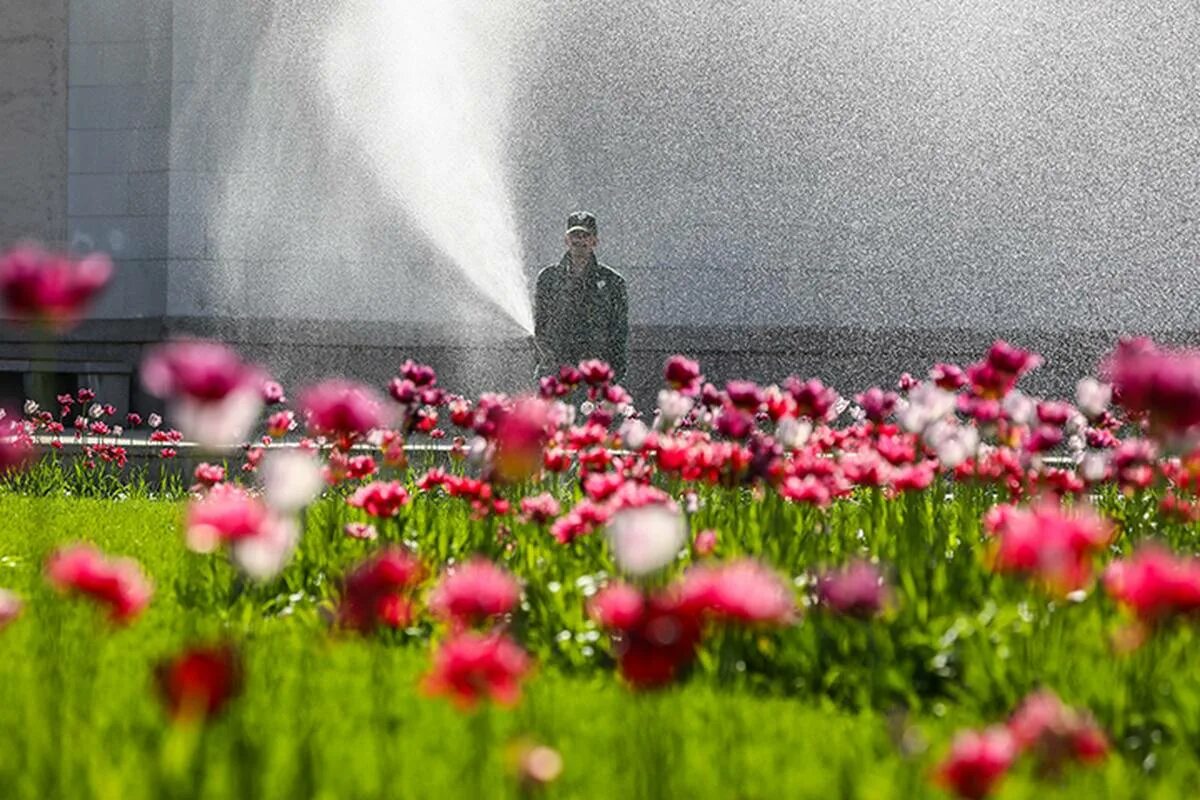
(33, 114)
(118, 132)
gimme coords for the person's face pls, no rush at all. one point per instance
(581, 243)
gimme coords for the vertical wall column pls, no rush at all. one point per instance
(33, 129)
(119, 114)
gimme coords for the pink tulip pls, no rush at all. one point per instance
(474, 592)
(380, 499)
(348, 411)
(472, 667)
(118, 583)
(1054, 733)
(215, 397)
(857, 590)
(742, 591)
(1155, 584)
(51, 288)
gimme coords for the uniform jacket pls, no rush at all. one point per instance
(579, 315)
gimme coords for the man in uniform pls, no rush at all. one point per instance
(580, 307)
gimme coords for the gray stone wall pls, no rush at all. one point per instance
(119, 90)
(33, 112)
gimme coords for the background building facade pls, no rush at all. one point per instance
(841, 189)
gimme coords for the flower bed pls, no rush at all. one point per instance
(968, 588)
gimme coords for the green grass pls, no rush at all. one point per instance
(827, 708)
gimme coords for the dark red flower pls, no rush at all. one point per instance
(976, 762)
(595, 372)
(199, 682)
(419, 374)
(377, 591)
(654, 637)
(682, 374)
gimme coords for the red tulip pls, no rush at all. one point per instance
(376, 591)
(976, 762)
(200, 681)
(654, 636)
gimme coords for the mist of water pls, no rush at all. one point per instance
(420, 88)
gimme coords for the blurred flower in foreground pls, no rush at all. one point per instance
(10, 607)
(16, 443)
(119, 583)
(857, 590)
(214, 396)
(519, 437)
(475, 592)
(1047, 542)
(533, 765)
(1054, 733)
(259, 541)
(376, 592)
(200, 681)
(291, 479)
(471, 667)
(646, 539)
(1155, 584)
(53, 289)
(742, 591)
(1162, 384)
(655, 636)
(344, 410)
(976, 762)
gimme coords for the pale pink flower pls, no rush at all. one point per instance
(10, 607)
(647, 538)
(214, 396)
(361, 530)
